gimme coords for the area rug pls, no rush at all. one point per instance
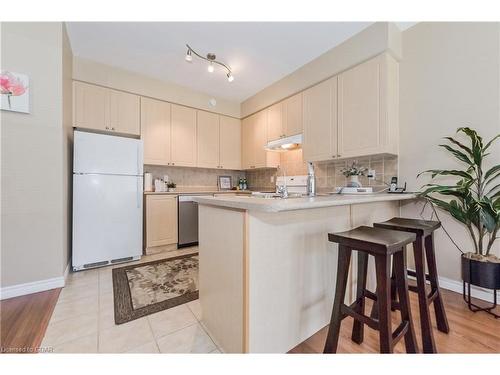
(143, 289)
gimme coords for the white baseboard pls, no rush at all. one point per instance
(457, 286)
(33, 287)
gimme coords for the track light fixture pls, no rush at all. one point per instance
(211, 58)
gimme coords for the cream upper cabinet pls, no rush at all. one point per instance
(320, 121)
(161, 220)
(247, 154)
(90, 106)
(292, 115)
(368, 108)
(183, 136)
(155, 131)
(207, 140)
(275, 122)
(253, 141)
(229, 143)
(100, 108)
(124, 112)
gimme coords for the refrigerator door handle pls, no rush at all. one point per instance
(139, 190)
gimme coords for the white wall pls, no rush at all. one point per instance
(449, 77)
(34, 193)
(110, 76)
(372, 41)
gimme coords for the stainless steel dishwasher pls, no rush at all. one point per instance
(188, 221)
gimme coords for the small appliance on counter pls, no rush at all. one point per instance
(148, 181)
(353, 190)
(393, 187)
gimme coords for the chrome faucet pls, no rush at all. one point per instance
(282, 190)
(311, 180)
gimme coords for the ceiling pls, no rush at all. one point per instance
(259, 53)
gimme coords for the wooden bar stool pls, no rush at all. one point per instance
(382, 244)
(424, 231)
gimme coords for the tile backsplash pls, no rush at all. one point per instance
(186, 176)
(328, 174)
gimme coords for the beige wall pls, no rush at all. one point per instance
(34, 196)
(110, 76)
(372, 41)
(449, 77)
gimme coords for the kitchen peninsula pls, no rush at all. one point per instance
(267, 271)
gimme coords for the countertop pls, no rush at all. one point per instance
(278, 205)
(194, 191)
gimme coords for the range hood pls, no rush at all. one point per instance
(285, 144)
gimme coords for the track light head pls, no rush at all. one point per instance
(189, 57)
(230, 77)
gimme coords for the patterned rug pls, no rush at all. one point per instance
(146, 288)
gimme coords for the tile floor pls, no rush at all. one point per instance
(83, 320)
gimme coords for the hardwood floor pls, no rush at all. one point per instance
(469, 332)
(23, 321)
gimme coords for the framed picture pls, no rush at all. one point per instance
(225, 182)
(14, 92)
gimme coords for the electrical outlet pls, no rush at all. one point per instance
(272, 179)
(371, 174)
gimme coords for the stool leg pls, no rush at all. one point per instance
(358, 327)
(332, 338)
(383, 271)
(428, 344)
(441, 320)
(404, 300)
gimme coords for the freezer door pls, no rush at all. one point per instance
(106, 154)
(107, 218)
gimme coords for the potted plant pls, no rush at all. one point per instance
(474, 200)
(353, 172)
(171, 186)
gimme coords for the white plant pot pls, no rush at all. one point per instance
(354, 181)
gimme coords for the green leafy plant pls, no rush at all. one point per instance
(354, 170)
(474, 200)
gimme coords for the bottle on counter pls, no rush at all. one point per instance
(245, 184)
(240, 183)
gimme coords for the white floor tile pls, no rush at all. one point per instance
(70, 329)
(150, 347)
(69, 309)
(170, 320)
(123, 337)
(86, 344)
(192, 339)
(195, 308)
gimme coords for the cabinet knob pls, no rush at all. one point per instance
(112, 128)
(107, 127)
(339, 155)
(173, 163)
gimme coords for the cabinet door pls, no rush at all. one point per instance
(292, 115)
(124, 112)
(229, 143)
(320, 121)
(183, 136)
(247, 141)
(161, 220)
(260, 139)
(274, 122)
(359, 110)
(91, 106)
(207, 139)
(155, 131)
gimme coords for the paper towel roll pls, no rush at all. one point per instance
(148, 181)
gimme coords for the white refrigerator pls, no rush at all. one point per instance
(107, 199)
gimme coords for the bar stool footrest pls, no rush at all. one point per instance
(400, 332)
(348, 311)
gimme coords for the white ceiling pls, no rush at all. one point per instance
(259, 53)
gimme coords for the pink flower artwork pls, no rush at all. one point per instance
(14, 85)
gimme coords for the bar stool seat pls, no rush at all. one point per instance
(383, 244)
(424, 231)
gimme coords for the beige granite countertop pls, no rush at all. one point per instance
(277, 205)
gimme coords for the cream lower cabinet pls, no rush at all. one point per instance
(155, 131)
(320, 121)
(104, 109)
(183, 136)
(368, 108)
(161, 221)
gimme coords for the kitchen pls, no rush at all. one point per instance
(200, 209)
